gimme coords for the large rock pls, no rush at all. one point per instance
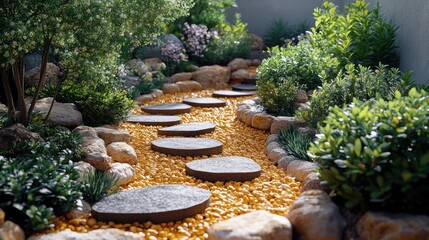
(314, 216)
(311, 182)
(238, 63)
(301, 97)
(276, 154)
(301, 169)
(83, 168)
(16, 133)
(390, 226)
(142, 99)
(179, 77)
(257, 225)
(170, 88)
(110, 134)
(239, 75)
(99, 161)
(153, 63)
(2, 214)
(189, 86)
(32, 60)
(11, 231)
(122, 152)
(258, 42)
(262, 121)
(280, 123)
(212, 77)
(99, 234)
(85, 132)
(82, 210)
(171, 38)
(51, 76)
(93, 145)
(123, 172)
(63, 114)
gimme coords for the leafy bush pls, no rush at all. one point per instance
(360, 35)
(278, 95)
(145, 86)
(97, 185)
(374, 154)
(279, 32)
(295, 142)
(359, 82)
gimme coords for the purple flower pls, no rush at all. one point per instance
(197, 38)
(173, 53)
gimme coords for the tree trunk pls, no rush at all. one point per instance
(18, 75)
(9, 95)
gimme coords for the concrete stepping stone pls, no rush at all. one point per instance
(244, 87)
(187, 146)
(188, 130)
(162, 203)
(155, 120)
(168, 108)
(205, 102)
(224, 169)
(249, 81)
(231, 94)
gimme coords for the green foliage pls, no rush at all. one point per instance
(233, 42)
(278, 95)
(145, 86)
(279, 31)
(359, 82)
(375, 154)
(295, 142)
(97, 185)
(360, 35)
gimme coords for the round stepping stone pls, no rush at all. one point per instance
(188, 130)
(162, 203)
(205, 102)
(224, 169)
(187, 146)
(155, 120)
(244, 87)
(228, 93)
(168, 109)
(249, 81)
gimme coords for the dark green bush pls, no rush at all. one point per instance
(295, 142)
(279, 31)
(375, 155)
(359, 82)
(146, 86)
(97, 185)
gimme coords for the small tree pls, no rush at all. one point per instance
(84, 30)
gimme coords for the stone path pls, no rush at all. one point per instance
(188, 130)
(168, 108)
(155, 120)
(205, 102)
(187, 146)
(244, 87)
(231, 94)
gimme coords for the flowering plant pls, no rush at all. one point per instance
(197, 38)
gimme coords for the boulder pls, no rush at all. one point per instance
(122, 152)
(32, 60)
(51, 76)
(2, 215)
(258, 42)
(301, 169)
(276, 154)
(212, 77)
(189, 86)
(301, 97)
(314, 216)
(239, 75)
(170, 88)
(270, 146)
(11, 231)
(255, 225)
(93, 145)
(179, 77)
(157, 93)
(82, 210)
(238, 63)
(284, 162)
(262, 121)
(99, 161)
(280, 123)
(272, 138)
(85, 132)
(99, 234)
(123, 172)
(62, 114)
(390, 226)
(307, 131)
(144, 99)
(83, 168)
(171, 38)
(311, 182)
(153, 63)
(16, 133)
(110, 134)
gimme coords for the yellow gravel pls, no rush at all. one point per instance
(272, 191)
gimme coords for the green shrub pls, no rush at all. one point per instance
(360, 35)
(359, 82)
(146, 86)
(97, 185)
(279, 31)
(278, 96)
(375, 154)
(295, 142)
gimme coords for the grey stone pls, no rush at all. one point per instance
(188, 130)
(99, 234)
(271, 146)
(262, 121)
(32, 60)
(83, 168)
(16, 133)
(170, 88)
(238, 63)
(257, 225)
(161, 203)
(239, 75)
(224, 169)
(123, 172)
(301, 97)
(311, 182)
(178, 77)
(231, 94)
(173, 39)
(99, 161)
(11, 231)
(168, 108)
(244, 87)
(284, 162)
(314, 216)
(93, 145)
(110, 134)
(51, 75)
(85, 132)
(307, 131)
(276, 154)
(271, 138)
(300, 169)
(280, 123)
(130, 80)
(155, 120)
(83, 209)
(122, 152)
(187, 146)
(3, 108)
(205, 102)
(63, 114)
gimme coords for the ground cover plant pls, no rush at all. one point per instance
(97, 185)
(295, 142)
(279, 32)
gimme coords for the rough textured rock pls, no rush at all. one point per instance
(271, 138)
(83, 209)
(110, 134)
(284, 162)
(270, 146)
(258, 42)
(83, 168)
(157, 93)
(308, 131)
(179, 77)
(314, 216)
(238, 63)
(262, 121)
(144, 99)
(301, 169)
(123, 172)
(153, 63)
(51, 76)
(256, 62)
(189, 86)
(280, 123)
(122, 152)
(257, 225)
(276, 154)
(212, 77)
(99, 161)
(390, 226)
(2, 214)
(240, 75)
(63, 114)
(170, 88)
(301, 97)
(311, 182)
(85, 132)
(99, 234)
(15, 134)
(93, 145)
(11, 231)
(3, 108)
